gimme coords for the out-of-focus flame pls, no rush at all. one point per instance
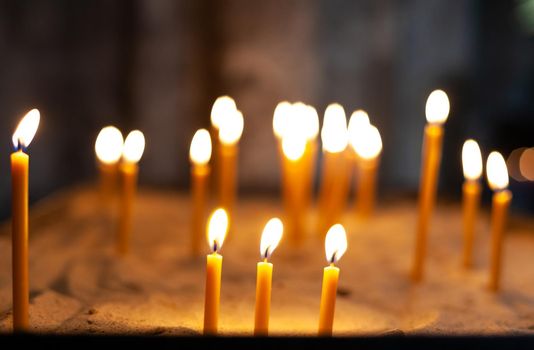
(217, 229)
(471, 160)
(335, 243)
(26, 129)
(200, 151)
(231, 128)
(282, 113)
(358, 119)
(311, 122)
(496, 171)
(526, 164)
(108, 145)
(437, 107)
(134, 146)
(272, 233)
(294, 147)
(222, 107)
(334, 132)
(366, 141)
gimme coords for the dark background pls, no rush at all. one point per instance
(158, 66)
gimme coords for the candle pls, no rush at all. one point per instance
(217, 229)
(472, 167)
(133, 149)
(335, 247)
(230, 131)
(335, 176)
(311, 124)
(437, 111)
(367, 144)
(498, 181)
(272, 233)
(22, 137)
(199, 154)
(222, 107)
(108, 149)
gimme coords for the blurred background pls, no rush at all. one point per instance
(158, 66)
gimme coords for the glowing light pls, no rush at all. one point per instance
(231, 128)
(222, 107)
(200, 150)
(366, 141)
(311, 122)
(512, 163)
(334, 132)
(108, 145)
(25, 131)
(272, 233)
(358, 119)
(134, 146)
(526, 164)
(281, 114)
(293, 147)
(497, 172)
(437, 107)
(471, 160)
(217, 229)
(335, 243)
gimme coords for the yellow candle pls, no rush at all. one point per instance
(437, 111)
(333, 192)
(108, 149)
(471, 189)
(134, 146)
(22, 137)
(335, 247)
(230, 131)
(217, 229)
(498, 180)
(199, 154)
(272, 233)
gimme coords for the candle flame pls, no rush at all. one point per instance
(471, 160)
(217, 229)
(293, 147)
(222, 107)
(335, 243)
(281, 114)
(496, 171)
(358, 119)
(437, 107)
(311, 122)
(108, 145)
(231, 128)
(334, 132)
(200, 151)
(272, 233)
(367, 142)
(26, 129)
(134, 146)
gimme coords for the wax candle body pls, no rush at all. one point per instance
(263, 298)
(293, 198)
(328, 300)
(499, 213)
(199, 192)
(366, 187)
(470, 204)
(129, 183)
(108, 181)
(427, 193)
(213, 293)
(227, 177)
(309, 157)
(21, 291)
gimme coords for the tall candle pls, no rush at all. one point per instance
(334, 187)
(199, 154)
(437, 111)
(311, 123)
(22, 137)
(133, 149)
(472, 168)
(217, 229)
(498, 180)
(108, 149)
(367, 144)
(272, 233)
(335, 247)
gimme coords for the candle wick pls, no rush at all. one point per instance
(215, 246)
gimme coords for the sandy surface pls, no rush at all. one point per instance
(79, 285)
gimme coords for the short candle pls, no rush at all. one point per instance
(108, 149)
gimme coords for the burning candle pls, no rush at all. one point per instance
(335, 177)
(217, 229)
(358, 119)
(472, 167)
(108, 149)
(437, 111)
(367, 143)
(22, 137)
(199, 154)
(230, 131)
(335, 247)
(311, 124)
(272, 233)
(132, 151)
(498, 181)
